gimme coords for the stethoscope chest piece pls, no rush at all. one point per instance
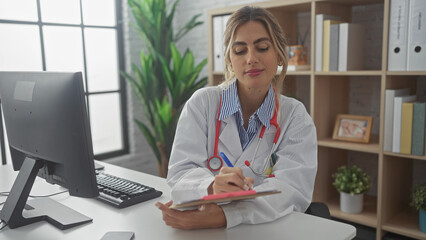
(214, 163)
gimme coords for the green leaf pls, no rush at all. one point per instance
(150, 139)
(351, 180)
(188, 27)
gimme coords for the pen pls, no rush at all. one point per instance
(225, 158)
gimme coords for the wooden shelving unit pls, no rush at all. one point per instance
(327, 94)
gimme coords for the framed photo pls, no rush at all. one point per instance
(353, 128)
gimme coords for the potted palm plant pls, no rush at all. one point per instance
(419, 202)
(165, 78)
(352, 183)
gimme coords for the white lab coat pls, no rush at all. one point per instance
(294, 170)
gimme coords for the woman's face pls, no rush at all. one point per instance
(254, 59)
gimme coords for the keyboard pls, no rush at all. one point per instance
(121, 193)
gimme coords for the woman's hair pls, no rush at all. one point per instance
(247, 14)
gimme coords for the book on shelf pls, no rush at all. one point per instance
(396, 144)
(418, 137)
(326, 44)
(319, 23)
(406, 127)
(398, 34)
(390, 95)
(334, 47)
(298, 67)
(351, 46)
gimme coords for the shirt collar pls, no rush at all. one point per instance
(231, 104)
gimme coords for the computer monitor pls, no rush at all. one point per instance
(49, 136)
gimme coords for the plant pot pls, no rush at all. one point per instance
(422, 220)
(351, 203)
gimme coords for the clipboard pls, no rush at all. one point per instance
(224, 198)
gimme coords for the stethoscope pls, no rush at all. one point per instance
(215, 162)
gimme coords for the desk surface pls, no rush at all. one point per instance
(146, 221)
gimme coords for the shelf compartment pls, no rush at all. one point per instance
(339, 94)
(329, 160)
(372, 147)
(405, 222)
(373, 21)
(400, 174)
(367, 217)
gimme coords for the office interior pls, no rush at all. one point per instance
(110, 44)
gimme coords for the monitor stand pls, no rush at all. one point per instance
(2, 140)
(16, 213)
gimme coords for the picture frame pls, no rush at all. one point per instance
(353, 128)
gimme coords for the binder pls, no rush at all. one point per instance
(351, 46)
(398, 34)
(390, 95)
(406, 127)
(319, 26)
(396, 145)
(416, 57)
(218, 61)
(225, 19)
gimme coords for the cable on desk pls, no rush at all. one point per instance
(35, 196)
(50, 195)
(5, 194)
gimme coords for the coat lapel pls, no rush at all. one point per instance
(230, 144)
(229, 137)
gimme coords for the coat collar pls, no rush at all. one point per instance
(231, 104)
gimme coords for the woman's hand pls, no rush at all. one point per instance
(230, 179)
(206, 216)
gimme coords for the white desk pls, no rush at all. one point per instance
(146, 220)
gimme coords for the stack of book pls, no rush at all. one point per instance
(407, 35)
(339, 45)
(404, 123)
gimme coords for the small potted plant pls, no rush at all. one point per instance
(351, 182)
(419, 203)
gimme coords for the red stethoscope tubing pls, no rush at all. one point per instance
(216, 141)
(273, 122)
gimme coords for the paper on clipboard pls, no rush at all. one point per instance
(224, 198)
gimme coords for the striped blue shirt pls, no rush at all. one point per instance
(231, 106)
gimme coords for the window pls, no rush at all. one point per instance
(73, 35)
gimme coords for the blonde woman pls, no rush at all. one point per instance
(269, 139)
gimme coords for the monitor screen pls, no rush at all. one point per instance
(48, 131)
